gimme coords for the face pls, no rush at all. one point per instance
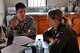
(52, 22)
(21, 14)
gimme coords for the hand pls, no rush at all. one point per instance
(14, 23)
(51, 39)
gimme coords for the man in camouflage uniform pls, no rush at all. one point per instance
(21, 24)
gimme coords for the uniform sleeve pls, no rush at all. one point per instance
(60, 42)
(48, 34)
(46, 37)
(10, 32)
(31, 32)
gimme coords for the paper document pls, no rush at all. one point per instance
(22, 40)
(13, 49)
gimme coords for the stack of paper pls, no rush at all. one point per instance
(13, 49)
(22, 40)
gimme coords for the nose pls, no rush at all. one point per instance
(23, 13)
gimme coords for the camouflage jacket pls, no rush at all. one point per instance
(25, 28)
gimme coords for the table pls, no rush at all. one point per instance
(18, 48)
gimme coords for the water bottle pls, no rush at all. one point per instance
(28, 50)
(39, 48)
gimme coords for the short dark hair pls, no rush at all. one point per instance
(56, 14)
(19, 5)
